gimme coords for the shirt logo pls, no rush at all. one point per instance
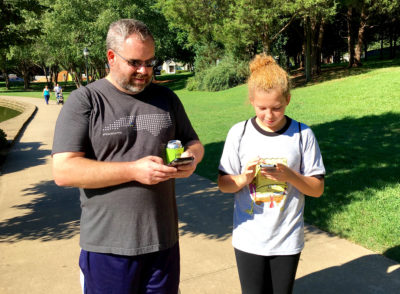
(153, 123)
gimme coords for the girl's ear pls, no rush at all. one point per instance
(288, 99)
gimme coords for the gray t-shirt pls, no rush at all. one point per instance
(109, 125)
(276, 226)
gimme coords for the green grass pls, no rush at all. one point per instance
(7, 113)
(355, 114)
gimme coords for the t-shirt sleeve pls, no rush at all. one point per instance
(313, 164)
(230, 159)
(72, 126)
(184, 129)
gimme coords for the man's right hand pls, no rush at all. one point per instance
(151, 170)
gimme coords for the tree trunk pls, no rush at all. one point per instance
(318, 47)
(26, 77)
(308, 49)
(7, 81)
(315, 25)
(24, 68)
(266, 42)
(55, 73)
(391, 41)
(365, 50)
(43, 67)
(350, 38)
(75, 77)
(360, 41)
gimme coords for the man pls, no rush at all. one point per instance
(57, 90)
(110, 141)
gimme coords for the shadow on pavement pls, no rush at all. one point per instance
(53, 216)
(203, 209)
(365, 275)
(24, 155)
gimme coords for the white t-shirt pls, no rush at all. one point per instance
(275, 227)
(57, 89)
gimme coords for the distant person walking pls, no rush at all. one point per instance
(46, 94)
(57, 90)
(269, 161)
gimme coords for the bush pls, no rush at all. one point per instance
(227, 74)
(192, 84)
(3, 140)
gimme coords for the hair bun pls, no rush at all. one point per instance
(261, 61)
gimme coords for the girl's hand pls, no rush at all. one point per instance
(250, 170)
(282, 173)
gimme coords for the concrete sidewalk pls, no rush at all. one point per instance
(39, 233)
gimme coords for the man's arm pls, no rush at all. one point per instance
(73, 169)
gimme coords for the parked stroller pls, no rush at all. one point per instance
(60, 98)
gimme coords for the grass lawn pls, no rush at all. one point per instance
(355, 115)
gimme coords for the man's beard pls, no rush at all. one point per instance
(129, 85)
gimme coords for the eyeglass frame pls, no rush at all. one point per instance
(136, 63)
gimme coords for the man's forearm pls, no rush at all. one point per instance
(87, 173)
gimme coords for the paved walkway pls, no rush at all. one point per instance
(39, 233)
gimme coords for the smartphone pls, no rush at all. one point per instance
(181, 161)
(268, 166)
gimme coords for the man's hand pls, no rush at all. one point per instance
(151, 170)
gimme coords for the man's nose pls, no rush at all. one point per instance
(141, 69)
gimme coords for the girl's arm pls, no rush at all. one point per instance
(234, 183)
(308, 185)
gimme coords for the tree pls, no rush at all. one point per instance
(315, 14)
(17, 27)
(13, 18)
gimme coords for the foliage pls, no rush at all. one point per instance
(226, 74)
(14, 28)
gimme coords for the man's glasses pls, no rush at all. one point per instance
(138, 63)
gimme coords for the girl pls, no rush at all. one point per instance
(269, 161)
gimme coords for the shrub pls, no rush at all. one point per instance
(3, 140)
(227, 74)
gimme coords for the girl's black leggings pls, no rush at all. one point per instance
(266, 274)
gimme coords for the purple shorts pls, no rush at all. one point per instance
(156, 272)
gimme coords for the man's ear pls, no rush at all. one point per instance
(110, 57)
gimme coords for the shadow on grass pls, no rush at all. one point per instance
(54, 214)
(174, 82)
(359, 154)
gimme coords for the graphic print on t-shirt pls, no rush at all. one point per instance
(268, 191)
(153, 123)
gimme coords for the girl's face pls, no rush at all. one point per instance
(270, 109)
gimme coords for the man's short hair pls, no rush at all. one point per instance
(122, 29)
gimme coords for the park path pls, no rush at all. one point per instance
(39, 233)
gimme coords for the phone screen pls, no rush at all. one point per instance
(268, 166)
